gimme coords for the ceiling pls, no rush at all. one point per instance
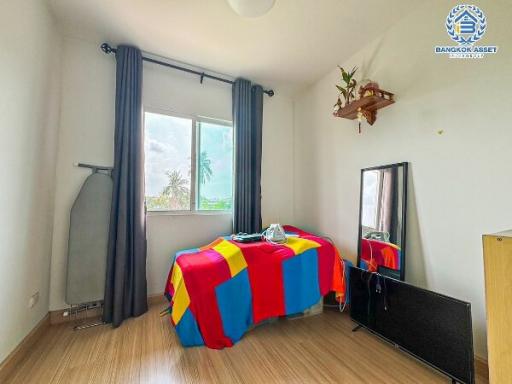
(290, 47)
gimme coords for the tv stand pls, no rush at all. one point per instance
(356, 328)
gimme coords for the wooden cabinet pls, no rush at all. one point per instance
(498, 292)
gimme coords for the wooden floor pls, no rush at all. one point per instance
(317, 349)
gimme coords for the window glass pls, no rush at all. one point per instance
(215, 166)
(168, 148)
(371, 183)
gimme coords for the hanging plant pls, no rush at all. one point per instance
(348, 89)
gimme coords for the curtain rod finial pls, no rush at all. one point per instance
(270, 92)
(106, 48)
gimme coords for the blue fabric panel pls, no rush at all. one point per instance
(300, 279)
(187, 330)
(185, 251)
(348, 265)
(235, 305)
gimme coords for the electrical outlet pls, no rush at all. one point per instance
(33, 300)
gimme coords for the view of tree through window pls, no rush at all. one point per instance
(168, 148)
(169, 167)
(215, 166)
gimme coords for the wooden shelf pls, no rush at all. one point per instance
(368, 105)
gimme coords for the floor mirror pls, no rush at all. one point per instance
(382, 220)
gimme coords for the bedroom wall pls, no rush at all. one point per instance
(459, 178)
(29, 78)
(86, 135)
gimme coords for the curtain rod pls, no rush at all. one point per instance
(106, 48)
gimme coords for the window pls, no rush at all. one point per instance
(188, 163)
(371, 190)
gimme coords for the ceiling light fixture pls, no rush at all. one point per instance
(251, 8)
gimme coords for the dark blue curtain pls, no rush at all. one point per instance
(126, 287)
(247, 122)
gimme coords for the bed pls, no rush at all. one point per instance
(218, 292)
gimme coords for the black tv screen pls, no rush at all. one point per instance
(434, 328)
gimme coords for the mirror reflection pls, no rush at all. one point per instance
(382, 220)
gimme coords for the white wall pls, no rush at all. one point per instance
(29, 102)
(86, 135)
(459, 181)
(277, 161)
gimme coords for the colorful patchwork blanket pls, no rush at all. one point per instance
(219, 291)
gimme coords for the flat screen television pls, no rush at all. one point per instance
(432, 327)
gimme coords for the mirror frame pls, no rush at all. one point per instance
(405, 166)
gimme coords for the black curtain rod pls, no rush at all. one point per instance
(106, 48)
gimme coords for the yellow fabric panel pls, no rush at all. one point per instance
(233, 256)
(181, 299)
(177, 276)
(394, 246)
(298, 245)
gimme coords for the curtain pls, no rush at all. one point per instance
(247, 121)
(125, 286)
(388, 203)
(395, 225)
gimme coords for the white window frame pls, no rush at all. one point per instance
(195, 142)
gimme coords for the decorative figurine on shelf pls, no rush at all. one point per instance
(368, 88)
(348, 90)
(337, 106)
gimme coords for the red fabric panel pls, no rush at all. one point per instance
(264, 264)
(326, 256)
(292, 229)
(202, 272)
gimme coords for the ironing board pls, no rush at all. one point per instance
(88, 240)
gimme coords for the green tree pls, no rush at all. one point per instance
(205, 170)
(177, 190)
(155, 203)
